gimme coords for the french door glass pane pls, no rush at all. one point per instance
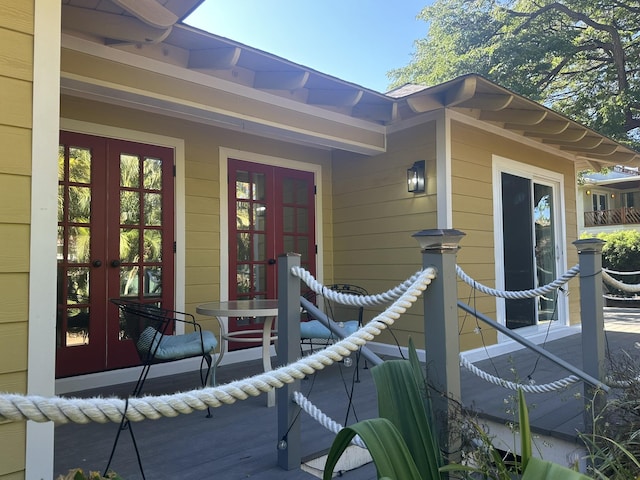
(153, 209)
(152, 281)
(243, 187)
(518, 247)
(129, 240)
(545, 250)
(129, 207)
(152, 173)
(259, 216)
(129, 171)
(79, 165)
(79, 243)
(152, 245)
(79, 204)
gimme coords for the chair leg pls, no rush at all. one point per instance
(125, 424)
(203, 378)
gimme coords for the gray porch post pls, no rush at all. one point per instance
(592, 317)
(289, 454)
(442, 347)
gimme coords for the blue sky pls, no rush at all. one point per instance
(355, 40)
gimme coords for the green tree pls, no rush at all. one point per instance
(579, 57)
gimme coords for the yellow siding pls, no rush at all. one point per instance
(15, 142)
(164, 85)
(12, 446)
(374, 217)
(202, 184)
(16, 74)
(472, 153)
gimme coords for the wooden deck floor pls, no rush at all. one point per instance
(240, 441)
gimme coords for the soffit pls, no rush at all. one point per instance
(477, 97)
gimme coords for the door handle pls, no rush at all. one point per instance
(115, 263)
(271, 261)
(97, 263)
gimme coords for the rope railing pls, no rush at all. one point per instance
(350, 299)
(520, 294)
(61, 410)
(625, 287)
(527, 388)
(320, 417)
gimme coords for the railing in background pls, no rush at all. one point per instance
(616, 216)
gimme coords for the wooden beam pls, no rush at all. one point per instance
(570, 135)
(462, 91)
(222, 58)
(150, 12)
(110, 26)
(514, 115)
(615, 158)
(376, 111)
(293, 80)
(335, 97)
(605, 149)
(486, 101)
(424, 103)
(545, 127)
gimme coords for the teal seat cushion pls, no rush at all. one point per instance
(315, 329)
(172, 347)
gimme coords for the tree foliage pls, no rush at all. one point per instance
(579, 57)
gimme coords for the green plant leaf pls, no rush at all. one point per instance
(542, 470)
(385, 444)
(525, 429)
(401, 402)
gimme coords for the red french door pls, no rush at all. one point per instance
(271, 211)
(115, 240)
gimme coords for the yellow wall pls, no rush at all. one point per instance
(16, 79)
(374, 218)
(160, 85)
(202, 184)
(472, 153)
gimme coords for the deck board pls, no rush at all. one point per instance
(239, 441)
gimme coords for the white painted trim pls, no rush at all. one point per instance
(540, 176)
(443, 170)
(44, 220)
(138, 61)
(224, 155)
(501, 132)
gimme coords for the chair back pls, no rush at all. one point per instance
(136, 317)
(346, 312)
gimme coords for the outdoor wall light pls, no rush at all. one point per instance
(588, 192)
(415, 177)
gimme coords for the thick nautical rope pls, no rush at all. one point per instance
(519, 294)
(349, 298)
(14, 407)
(320, 417)
(527, 388)
(619, 273)
(618, 284)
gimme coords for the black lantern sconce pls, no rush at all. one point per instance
(415, 177)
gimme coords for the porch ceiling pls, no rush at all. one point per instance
(154, 28)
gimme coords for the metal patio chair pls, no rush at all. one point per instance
(315, 333)
(152, 330)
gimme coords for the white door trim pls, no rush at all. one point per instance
(541, 176)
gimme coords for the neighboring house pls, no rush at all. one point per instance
(147, 158)
(609, 201)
